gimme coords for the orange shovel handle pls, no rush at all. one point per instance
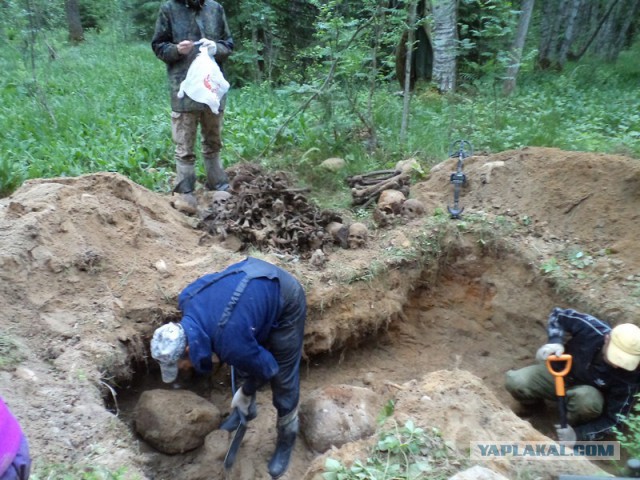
(559, 374)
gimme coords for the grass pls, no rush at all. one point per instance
(75, 472)
(103, 106)
(10, 354)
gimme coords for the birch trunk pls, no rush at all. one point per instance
(445, 35)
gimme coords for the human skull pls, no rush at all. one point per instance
(390, 202)
(219, 202)
(339, 233)
(358, 234)
(412, 208)
(278, 206)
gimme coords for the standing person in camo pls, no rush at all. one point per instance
(15, 462)
(252, 316)
(180, 23)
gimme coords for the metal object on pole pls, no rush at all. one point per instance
(458, 178)
(238, 435)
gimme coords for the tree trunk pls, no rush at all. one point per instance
(629, 17)
(549, 8)
(596, 30)
(76, 33)
(568, 36)
(445, 35)
(518, 46)
(413, 8)
(256, 51)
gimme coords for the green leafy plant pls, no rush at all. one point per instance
(401, 453)
(580, 259)
(628, 433)
(68, 472)
(550, 266)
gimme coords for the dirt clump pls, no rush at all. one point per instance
(90, 266)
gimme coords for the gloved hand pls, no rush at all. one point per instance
(233, 420)
(567, 434)
(212, 49)
(549, 349)
(241, 401)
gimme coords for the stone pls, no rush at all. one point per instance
(338, 414)
(175, 421)
(478, 473)
(333, 164)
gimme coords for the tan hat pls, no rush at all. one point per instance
(624, 346)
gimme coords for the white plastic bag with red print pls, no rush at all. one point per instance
(204, 82)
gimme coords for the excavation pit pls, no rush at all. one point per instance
(432, 312)
(460, 317)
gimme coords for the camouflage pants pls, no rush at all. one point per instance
(534, 383)
(184, 128)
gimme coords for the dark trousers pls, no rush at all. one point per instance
(285, 344)
(21, 466)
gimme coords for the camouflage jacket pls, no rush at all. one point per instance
(176, 23)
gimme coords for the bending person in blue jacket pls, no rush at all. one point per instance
(251, 315)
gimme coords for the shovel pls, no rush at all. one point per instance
(238, 435)
(559, 379)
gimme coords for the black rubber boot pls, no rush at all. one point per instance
(287, 431)
(217, 179)
(232, 421)
(185, 178)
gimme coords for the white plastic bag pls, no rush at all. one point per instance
(204, 82)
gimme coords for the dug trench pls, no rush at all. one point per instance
(459, 317)
(431, 313)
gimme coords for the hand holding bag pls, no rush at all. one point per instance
(204, 82)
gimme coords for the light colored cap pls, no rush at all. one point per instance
(167, 346)
(624, 346)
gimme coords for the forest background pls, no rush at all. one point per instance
(311, 79)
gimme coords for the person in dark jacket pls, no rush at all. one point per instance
(603, 379)
(252, 316)
(180, 23)
(15, 461)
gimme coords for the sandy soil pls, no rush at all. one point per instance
(81, 291)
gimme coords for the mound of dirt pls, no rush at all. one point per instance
(90, 266)
(463, 410)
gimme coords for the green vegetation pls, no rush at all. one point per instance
(401, 452)
(10, 354)
(628, 434)
(68, 472)
(103, 106)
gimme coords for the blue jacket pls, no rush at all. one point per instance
(231, 314)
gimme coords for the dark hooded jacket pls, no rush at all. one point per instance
(618, 386)
(178, 21)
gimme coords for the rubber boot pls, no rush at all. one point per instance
(185, 177)
(287, 431)
(216, 177)
(185, 185)
(233, 421)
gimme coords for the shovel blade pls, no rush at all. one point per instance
(238, 435)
